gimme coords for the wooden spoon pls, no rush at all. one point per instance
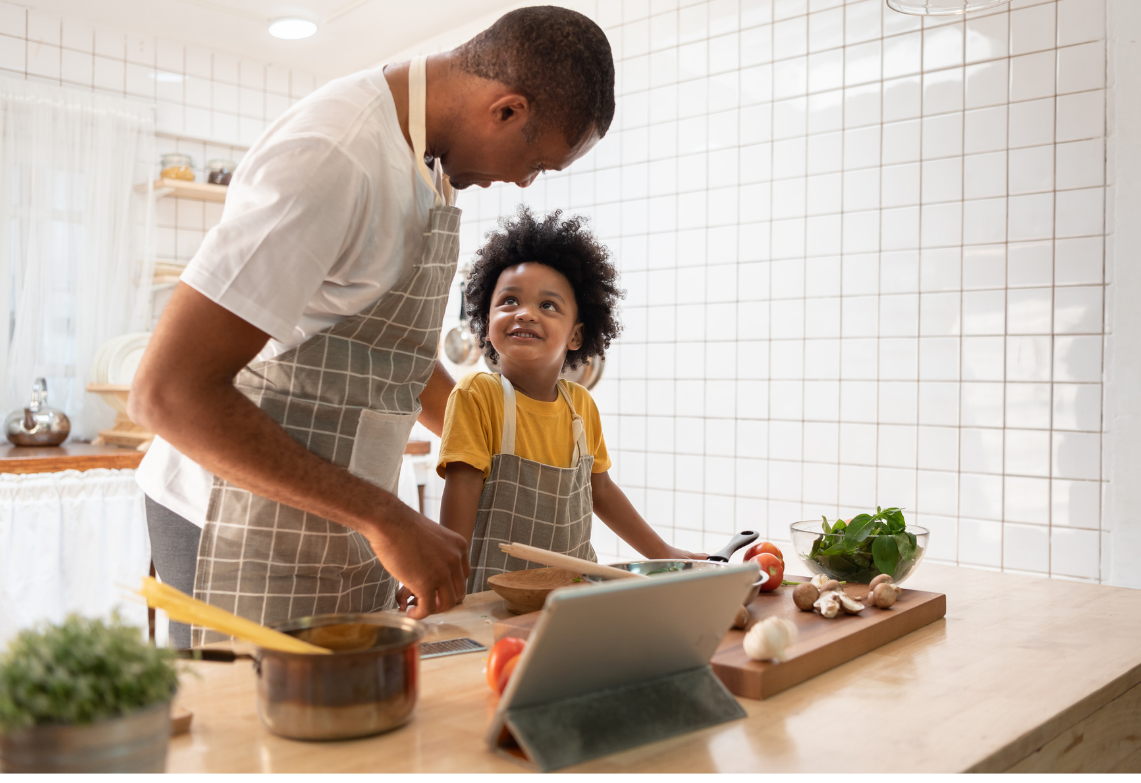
(577, 564)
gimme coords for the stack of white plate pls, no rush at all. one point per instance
(117, 359)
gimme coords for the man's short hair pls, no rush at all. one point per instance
(558, 59)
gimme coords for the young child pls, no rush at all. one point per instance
(523, 455)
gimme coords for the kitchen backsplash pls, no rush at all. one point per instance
(864, 262)
(863, 255)
(199, 94)
(208, 104)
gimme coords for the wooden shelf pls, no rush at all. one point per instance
(417, 448)
(70, 456)
(180, 188)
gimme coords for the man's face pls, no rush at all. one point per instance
(494, 149)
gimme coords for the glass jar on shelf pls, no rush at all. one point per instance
(220, 171)
(175, 165)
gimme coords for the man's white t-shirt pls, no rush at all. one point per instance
(324, 216)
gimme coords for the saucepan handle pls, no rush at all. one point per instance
(744, 538)
(215, 656)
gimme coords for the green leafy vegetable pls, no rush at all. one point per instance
(886, 554)
(866, 546)
(81, 671)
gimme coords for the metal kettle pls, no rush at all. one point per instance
(38, 424)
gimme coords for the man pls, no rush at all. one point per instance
(286, 372)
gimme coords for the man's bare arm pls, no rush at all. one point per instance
(434, 399)
(184, 392)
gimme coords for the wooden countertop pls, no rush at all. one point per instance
(69, 456)
(84, 456)
(1023, 674)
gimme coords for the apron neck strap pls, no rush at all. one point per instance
(507, 438)
(417, 103)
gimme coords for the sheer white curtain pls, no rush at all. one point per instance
(67, 542)
(75, 239)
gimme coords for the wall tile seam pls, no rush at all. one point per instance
(126, 60)
(861, 210)
(964, 63)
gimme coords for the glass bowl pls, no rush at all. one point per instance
(860, 567)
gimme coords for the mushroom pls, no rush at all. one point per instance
(820, 580)
(884, 595)
(831, 584)
(804, 595)
(742, 618)
(769, 638)
(850, 605)
(883, 592)
(828, 604)
(877, 580)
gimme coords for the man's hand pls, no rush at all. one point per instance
(184, 392)
(430, 560)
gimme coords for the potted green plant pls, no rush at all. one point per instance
(85, 696)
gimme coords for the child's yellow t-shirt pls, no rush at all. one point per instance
(473, 426)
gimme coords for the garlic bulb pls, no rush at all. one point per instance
(769, 638)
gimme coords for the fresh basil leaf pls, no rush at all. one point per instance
(903, 544)
(841, 565)
(858, 530)
(886, 554)
(894, 517)
(827, 528)
(911, 537)
(840, 525)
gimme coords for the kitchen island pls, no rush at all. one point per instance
(1023, 674)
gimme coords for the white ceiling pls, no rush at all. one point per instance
(352, 34)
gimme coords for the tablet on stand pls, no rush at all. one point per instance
(620, 664)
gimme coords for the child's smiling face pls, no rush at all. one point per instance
(533, 321)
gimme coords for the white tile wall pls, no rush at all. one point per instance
(209, 104)
(200, 94)
(863, 255)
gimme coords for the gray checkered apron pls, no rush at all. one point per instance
(527, 502)
(350, 395)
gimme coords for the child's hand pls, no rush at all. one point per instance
(673, 553)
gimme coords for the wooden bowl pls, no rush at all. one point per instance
(527, 591)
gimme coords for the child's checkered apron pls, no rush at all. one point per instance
(527, 502)
(349, 394)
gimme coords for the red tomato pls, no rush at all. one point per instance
(764, 546)
(772, 566)
(501, 653)
(505, 674)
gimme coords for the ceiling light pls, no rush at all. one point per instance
(291, 29)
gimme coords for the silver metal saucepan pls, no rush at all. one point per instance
(353, 692)
(719, 559)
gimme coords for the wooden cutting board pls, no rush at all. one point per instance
(822, 644)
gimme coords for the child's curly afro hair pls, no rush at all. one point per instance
(565, 245)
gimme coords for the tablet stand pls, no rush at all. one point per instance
(561, 733)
